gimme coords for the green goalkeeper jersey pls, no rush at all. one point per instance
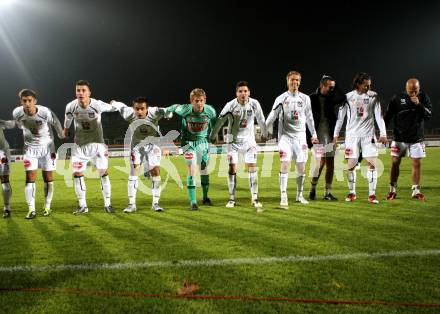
(196, 126)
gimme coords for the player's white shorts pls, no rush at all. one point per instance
(249, 151)
(43, 158)
(367, 145)
(5, 158)
(82, 154)
(293, 148)
(413, 150)
(150, 153)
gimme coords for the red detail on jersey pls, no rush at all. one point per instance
(53, 156)
(4, 160)
(189, 156)
(283, 154)
(106, 154)
(295, 115)
(304, 147)
(395, 149)
(229, 157)
(77, 165)
(156, 151)
(26, 163)
(348, 152)
(132, 157)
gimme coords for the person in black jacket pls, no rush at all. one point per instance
(408, 111)
(325, 103)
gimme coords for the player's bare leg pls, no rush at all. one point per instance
(7, 193)
(232, 185)
(394, 176)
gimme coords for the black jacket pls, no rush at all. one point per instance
(333, 101)
(408, 118)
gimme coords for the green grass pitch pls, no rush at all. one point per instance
(319, 229)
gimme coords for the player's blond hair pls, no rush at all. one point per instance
(292, 73)
(197, 92)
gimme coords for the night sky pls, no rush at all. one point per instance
(163, 50)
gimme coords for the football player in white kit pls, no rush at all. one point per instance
(39, 148)
(89, 143)
(241, 113)
(5, 157)
(293, 111)
(143, 123)
(362, 108)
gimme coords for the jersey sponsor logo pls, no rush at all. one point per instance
(348, 151)
(283, 154)
(189, 156)
(197, 124)
(294, 115)
(26, 163)
(395, 149)
(360, 111)
(243, 123)
(77, 165)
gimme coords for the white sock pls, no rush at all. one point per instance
(328, 188)
(372, 181)
(393, 187)
(284, 177)
(300, 185)
(29, 192)
(80, 190)
(156, 189)
(253, 185)
(106, 189)
(48, 193)
(415, 189)
(132, 189)
(232, 183)
(351, 175)
(7, 192)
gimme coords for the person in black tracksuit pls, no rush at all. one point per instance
(408, 111)
(325, 104)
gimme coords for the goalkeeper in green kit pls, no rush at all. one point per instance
(198, 119)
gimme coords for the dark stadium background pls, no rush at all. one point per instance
(163, 49)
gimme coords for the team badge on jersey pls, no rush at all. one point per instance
(91, 115)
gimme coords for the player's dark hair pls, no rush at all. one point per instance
(83, 83)
(26, 93)
(360, 78)
(140, 100)
(325, 79)
(241, 84)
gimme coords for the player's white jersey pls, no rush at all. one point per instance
(36, 128)
(149, 127)
(361, 110)
(4, 146)
(293, 111)
(241, 120)
(87, 121)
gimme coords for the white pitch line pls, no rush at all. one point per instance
(216, 262)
